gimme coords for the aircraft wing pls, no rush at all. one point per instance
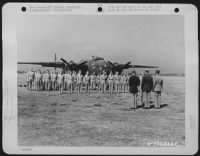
(111, 63)
(45, 64)
(82, 63)
(143, 66)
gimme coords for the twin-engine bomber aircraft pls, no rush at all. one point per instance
(93, 65)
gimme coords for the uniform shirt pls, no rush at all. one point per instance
(74, 77)
(123, 79)
(158, 83)
(116, 78)
(60, 78)
(53, 77)
(65, 77)
(127, 78)
(86, 78)
(30, 75)
(79, 78)
(47, 77)
(69, 78)
(102, 78)
(92, 78)
(39, 76)
(110, 77)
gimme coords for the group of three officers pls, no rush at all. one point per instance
(148, 85)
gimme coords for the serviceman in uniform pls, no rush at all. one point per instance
(79, 82)
(120, 81)
(141, 92)
(92, 81)
(157, 88)
(98, 81)
(40, 80)
(147, 86)
(31, 79)
(37, 80)
(54, 80)
(74, 80)
(123, 83)
(116, 81)
(65, 80)
(86, 80)
(127, 82)
(61, 82)
(110, 82)
(69, 81)
(103, 82)
(43, 80)
(134, 83)
(48, 79)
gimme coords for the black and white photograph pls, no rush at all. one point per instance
(101, 81)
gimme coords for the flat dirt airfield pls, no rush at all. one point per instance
(96, 119)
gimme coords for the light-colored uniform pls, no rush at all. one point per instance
(74, 80)
(30, 79)
(98, 81)
(127, 82)
(103, 83)
(65, 81)
(79, 82)
(60, 82)
(69, 82)
(48, 81)
(39, 81)
(157, 88)
(110, 82)
(92, 81)
(116, 82)
(86, 82)
(54, 80)
(123, 81)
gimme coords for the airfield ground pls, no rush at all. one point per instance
(95, 119)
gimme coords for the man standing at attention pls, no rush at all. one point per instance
(79, 81)
(86, 80)
(141, 92)
(30, 79)
(103, 82)
(92, 81)
(147, 86)
(116, 82)
(157, 88)
(61, 82)
(134, 82)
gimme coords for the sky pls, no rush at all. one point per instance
(156, 40)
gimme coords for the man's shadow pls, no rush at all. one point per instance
(152, 105)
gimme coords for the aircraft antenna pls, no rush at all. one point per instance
(55, 60)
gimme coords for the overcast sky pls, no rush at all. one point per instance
(144, 40)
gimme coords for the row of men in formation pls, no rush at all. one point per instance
(114, 82)
(71, 81)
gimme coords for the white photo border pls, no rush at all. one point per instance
(9, 13)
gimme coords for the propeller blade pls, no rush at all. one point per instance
(111, 63)
(127, 64)
(64, 61)
(82, 63)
